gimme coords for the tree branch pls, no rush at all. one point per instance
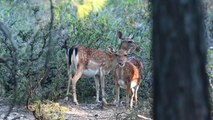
(14, 61)
(46, 65)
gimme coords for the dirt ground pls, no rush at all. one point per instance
(80, 112)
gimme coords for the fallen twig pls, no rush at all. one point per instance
(144, 118)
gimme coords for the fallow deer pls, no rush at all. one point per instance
(125, 41)
(86, 62)
(127, 76)
(135, 61)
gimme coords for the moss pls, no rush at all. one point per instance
(49, 110)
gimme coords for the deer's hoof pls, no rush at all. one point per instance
(98, 101)
(75, 102)
(114, 102)
(104, 102)
(66, 99)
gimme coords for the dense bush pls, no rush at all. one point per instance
(29, 22)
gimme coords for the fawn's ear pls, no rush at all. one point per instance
(131, 36)
(119, 35)
(111, 50)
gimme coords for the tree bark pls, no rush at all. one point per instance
(179, 54)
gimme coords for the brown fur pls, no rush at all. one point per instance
(137, 63)
(104, 59)
(127, 72)
(91, 59)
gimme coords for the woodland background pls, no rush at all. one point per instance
(33, 63)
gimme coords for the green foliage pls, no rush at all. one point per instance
(29, 23)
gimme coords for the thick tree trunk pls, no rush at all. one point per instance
(179, 53)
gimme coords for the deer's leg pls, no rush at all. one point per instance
(75, 78)
(69, 80)
(97, 86)
(68, 87)
(127, 99)
(102, 78)
(117, 89)
(117, 97)
(136, 95)
(132, 93)
(128, 93)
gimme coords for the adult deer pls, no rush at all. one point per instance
(125, 41)
(127, 76)
(131, 61)
(87, 62)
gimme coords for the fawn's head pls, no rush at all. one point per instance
(121, 56)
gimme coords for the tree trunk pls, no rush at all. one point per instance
(179, 53)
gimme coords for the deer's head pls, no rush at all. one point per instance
(121, 56)
(127, 43)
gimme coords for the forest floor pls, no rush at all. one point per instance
(80, 112)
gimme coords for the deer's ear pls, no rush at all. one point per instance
(119, 34)
(111, 50)
(131, 36)
(131, 50)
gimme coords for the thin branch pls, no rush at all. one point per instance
(46, 65)
(40, 53)
(7, 35)
(5, 31)
(49, 45)
(143, 117)
(13, 70)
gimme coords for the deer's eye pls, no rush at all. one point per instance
(116, 54)
(130, 41)
(125, 55)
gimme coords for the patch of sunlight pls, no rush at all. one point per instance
(79, 112)
(97, 5)
(89, 6)
(83, 10)
(49, 110)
